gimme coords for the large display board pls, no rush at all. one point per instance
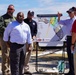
(50, 33)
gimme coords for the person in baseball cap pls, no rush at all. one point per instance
(71, 13)
(68, 23)
(33, 27)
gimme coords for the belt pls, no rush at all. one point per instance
(69, 36)
(18, 44)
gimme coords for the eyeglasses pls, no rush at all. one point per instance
(10, 9)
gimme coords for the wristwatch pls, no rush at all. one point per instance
(72, 44)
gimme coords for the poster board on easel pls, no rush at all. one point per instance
(50, 33)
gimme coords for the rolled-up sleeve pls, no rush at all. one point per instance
(29, 38)
(63, 22)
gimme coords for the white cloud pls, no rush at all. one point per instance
(48, 7)
(51, 9)
(3, 8)
(54, 8)
(45, 2)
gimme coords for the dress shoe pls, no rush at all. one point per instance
(27, 73)
(69, 73)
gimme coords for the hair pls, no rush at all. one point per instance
(20, 13)
(31, 12)
(10, 5)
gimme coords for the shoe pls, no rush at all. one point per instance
(66, 74)
(29, 73)
(69, 73)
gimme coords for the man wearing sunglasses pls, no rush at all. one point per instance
(4, 20)
(68, 23)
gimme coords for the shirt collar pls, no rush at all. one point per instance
(73, 18)
(9, 15)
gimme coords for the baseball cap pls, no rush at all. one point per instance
(31, 13)
(74, 8)
(70, 10)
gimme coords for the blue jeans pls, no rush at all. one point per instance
(17, 57)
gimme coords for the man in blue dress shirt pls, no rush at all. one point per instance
(19, 33)
(68, 23)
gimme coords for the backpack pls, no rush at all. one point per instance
(61, 66)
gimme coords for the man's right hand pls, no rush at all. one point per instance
(59, 15)
(29, 47)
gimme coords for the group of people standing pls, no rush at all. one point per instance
(16, 35)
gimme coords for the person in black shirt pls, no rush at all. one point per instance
(33, 27)
(31, 23)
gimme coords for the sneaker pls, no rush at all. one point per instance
(29, 73)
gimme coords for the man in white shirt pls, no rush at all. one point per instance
(68, 23)
(19, 33)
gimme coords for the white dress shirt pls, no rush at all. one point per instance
(68, 23)
(19, 33)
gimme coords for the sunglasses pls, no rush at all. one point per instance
(10, 9)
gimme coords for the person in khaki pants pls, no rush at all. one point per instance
(33, 27)
(4, 20)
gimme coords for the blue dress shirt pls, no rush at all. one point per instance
(19, 33)
(68, 23)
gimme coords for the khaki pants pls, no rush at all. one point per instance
(27, 58)
(5, 57)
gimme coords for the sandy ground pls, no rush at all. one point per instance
(45, 62)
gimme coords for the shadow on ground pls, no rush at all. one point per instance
(48, 61)
(36, 73)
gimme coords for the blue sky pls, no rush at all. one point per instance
(38, 6)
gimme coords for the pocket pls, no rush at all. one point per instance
(7, 21)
